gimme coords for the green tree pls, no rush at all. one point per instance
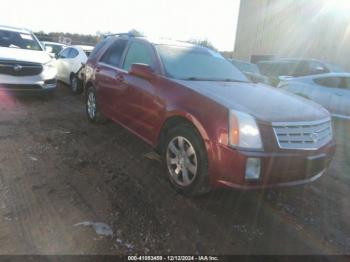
(203, 42)
(136, 33)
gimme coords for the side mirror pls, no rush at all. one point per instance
(318, 70)
(141, 70)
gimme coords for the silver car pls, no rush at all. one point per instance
(331, 90)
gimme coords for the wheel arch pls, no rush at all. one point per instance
(87, 85)
(176, 118)
(71, 75)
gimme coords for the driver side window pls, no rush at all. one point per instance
(73, 53)
(138, 53)
(64, 53)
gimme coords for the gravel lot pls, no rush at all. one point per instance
(57, 170)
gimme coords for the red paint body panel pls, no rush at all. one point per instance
(143, 106)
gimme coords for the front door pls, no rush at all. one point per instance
(141, 106)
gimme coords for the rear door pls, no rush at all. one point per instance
(108, 81)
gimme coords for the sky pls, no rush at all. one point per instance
(215, 21)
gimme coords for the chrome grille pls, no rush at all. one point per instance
(303, 135)
(15, 68)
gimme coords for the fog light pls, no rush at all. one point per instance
(252, 170)
(48, 84)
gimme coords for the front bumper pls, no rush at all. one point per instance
(47, 86)
(278, 169)
(44, 82)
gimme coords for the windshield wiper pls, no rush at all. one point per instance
(198, 79)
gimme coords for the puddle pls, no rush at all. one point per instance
(101, 229)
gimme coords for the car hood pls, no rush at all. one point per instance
(24, 55)
(263, 102)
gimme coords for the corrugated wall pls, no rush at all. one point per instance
(293, 28)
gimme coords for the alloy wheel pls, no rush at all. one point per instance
(91, 105)
(181, 161)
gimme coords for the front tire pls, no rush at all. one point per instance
(93, 113)
(185, 157)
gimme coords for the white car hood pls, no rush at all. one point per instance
(24, 55)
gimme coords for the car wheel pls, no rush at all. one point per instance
(92, 111)
(76, 85)
(186, 161)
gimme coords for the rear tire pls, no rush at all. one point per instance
(76, 85)
(93, 113)
(185, 158)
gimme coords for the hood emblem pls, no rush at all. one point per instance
(314, 137)
(17, 68)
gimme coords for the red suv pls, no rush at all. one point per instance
(211, 125)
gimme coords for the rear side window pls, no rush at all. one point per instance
(114, 53)
(334, 82)
(138, 53)
(98, 47)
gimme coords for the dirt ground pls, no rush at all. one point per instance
(57, 170)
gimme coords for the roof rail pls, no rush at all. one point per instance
(120, 34)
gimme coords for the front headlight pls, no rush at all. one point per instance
(244, 132)
(50, 69)
(50, 65)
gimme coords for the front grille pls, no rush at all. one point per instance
(303, 135)
(15, 68)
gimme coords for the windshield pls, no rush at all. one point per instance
(193, 63)
(18, 40)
